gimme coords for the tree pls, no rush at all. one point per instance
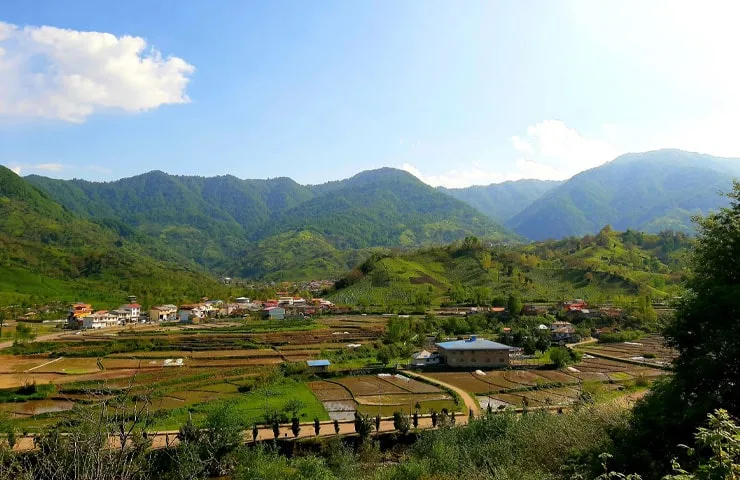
(704, 331)
(294, 406)
(383, 355)
(276, 428)
(295, 426)
(560, 357)
(24, 334)
(316, 426)
(514, 305)
(363, 426)
(401, 422)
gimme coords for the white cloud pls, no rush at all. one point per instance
(550, 150)
(49, 72)
(456, 178)
(38, 167)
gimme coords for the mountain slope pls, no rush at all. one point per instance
(48, 252)
(385, 207)
(649, 191)
(611, 266)
(501, 201)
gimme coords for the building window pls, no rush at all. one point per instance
(501, 360)
(488, 360)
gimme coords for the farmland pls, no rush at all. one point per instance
(379, 394)
(650, 350)
(186, 370)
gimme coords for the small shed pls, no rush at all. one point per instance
(318, 365)
(274, 313)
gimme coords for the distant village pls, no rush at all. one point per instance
(82, 316)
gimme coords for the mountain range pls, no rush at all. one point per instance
(651, 191)
(278, 229)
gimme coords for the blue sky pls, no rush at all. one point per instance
(458, 93)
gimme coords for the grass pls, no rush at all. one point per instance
(28, 392)
(251, 407)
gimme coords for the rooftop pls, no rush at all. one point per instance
(473, 343)
(317, 363)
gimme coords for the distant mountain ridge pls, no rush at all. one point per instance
(649, 191)
(279, 229)
(502, 201)
(226, 224)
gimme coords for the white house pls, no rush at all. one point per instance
(100, 319)
(128, 313)
(423, 358)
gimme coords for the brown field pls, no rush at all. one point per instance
(10, 364)
(369, 385)
(73, 366)
(411, 385)
(463, 380)
(651, 345)
(327, 391)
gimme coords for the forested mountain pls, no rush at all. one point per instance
(385, 207)
(501, 201)
(48, 252)
(259, 228)
(650, 192)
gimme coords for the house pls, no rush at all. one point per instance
(285, 300)
(163, 313)
(534, 310)
(273, 313)
(318, 365)
(474, 352)
(131, 311)
(424, 358)
(79, 310)
(562, 332)
(99, 319)
(190, 314)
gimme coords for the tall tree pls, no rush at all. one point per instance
(705, 332)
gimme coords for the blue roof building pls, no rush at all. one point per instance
(318, 365)
(474, 352)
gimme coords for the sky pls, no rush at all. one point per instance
(457, 93)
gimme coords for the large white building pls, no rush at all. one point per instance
(100, 319)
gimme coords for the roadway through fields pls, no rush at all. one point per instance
(469, 401)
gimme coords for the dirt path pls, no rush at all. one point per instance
(470, 402)
(43, 364)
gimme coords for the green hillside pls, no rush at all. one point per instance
(650, 191)
(608, 267)
(49, 253)
(385, 207)
(501, 201)
(274, 228)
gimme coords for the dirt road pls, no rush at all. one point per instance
(470, 402)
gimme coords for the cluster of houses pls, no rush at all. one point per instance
(82, 315)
